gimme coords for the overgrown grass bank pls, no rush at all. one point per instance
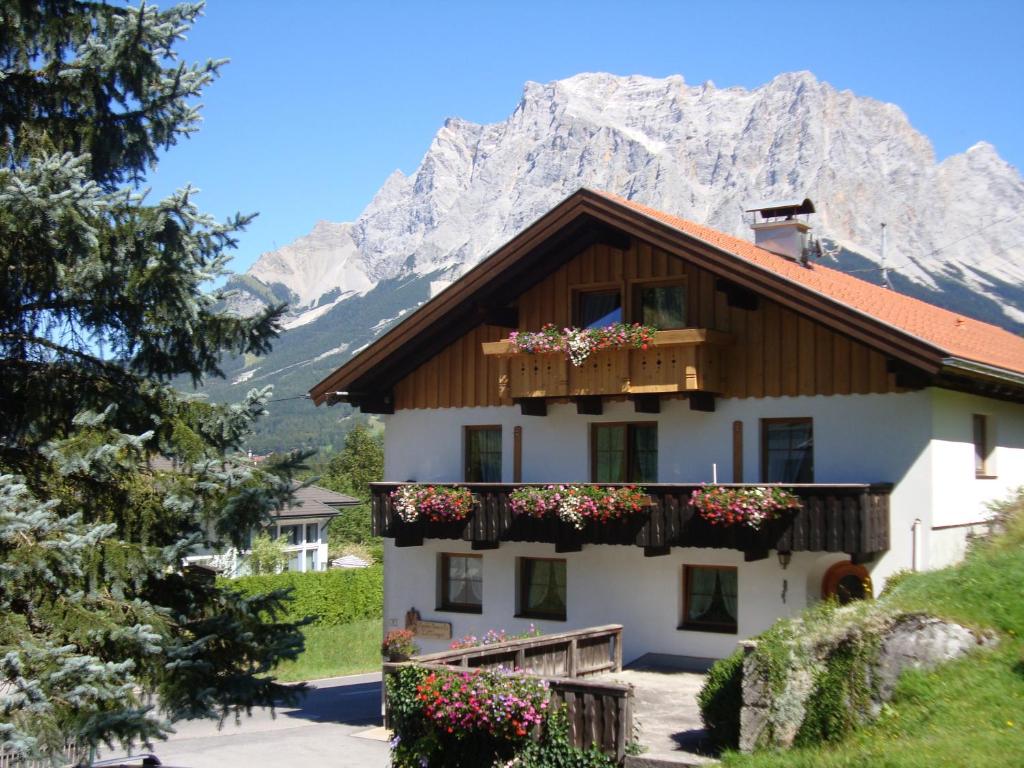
(966, 713)
(333, 651)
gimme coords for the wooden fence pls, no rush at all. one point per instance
(598, 713)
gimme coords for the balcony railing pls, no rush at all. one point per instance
(685, 360)
(850, 517)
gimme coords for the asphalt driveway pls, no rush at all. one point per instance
(318, 732)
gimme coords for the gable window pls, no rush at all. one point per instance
(483, 454)
(983, 464)
(598, 308)
(662, 305)
(787, 451)
(624, 453)
(462, 583)
(542, 588)
(709, 598)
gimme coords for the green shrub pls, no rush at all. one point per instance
(721, 699)
(332, 597)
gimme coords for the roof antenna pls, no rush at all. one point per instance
(885, 268)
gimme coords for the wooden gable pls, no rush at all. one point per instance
(773, 350)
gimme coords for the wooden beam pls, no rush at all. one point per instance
(657, 551)
(376, 403)
(589, 405)
(702, 401)
(646, 403)
(861, 558)
(485, 544)
(574, 545)
(533, 406)
(751, 555)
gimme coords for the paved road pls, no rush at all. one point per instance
(318, 732)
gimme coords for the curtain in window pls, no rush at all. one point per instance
(483, 463)
(727, 582)
(599, 309)
(465, 580)
(645, 451)
(789, 452)
(611, 454)
(701, 585)
(546, 592)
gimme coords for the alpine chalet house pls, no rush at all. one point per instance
(792, 432)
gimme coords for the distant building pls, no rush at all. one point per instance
(303, 524)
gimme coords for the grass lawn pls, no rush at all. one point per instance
(966, 713)
(335, 651)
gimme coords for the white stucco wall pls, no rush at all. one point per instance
(920, 441)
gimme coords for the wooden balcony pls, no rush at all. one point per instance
(686, 360)
(851, 518)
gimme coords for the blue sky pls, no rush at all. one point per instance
(322, 100)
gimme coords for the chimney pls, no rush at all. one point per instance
(777, 228)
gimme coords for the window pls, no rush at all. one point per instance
(291, 534)
(709, 603)
(624, 453)
(542, 588)
(312, 536)
(662, 305)
(462, 583)
(310, 560)
(598, 308)
(787, 451)
(483, 454)
(983, 464)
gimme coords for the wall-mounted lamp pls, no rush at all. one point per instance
(784, 558)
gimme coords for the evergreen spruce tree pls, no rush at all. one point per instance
(104, 636)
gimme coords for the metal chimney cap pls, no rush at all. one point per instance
(777, 208)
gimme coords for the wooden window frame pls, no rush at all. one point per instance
(986, 471)
(720, 629)
(522, 587)
(635, 305)
(443, 604)
(467, 430)
(765, 423)
(580, 288)
(630, 460)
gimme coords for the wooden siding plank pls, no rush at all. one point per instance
(823, 348)
(772, 350)
(790, 344)
(560, 315)
(469, 369)
(807, 361)
(841, 364)
(859, 373)
(755, 353)
(707, 300)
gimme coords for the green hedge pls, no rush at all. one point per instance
(334, 597)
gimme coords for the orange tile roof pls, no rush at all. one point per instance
(955, 334)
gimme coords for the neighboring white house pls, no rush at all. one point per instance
(302, 524)
(894, 421)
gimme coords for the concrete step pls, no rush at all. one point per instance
(667, 760)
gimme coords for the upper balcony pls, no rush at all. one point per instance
(849, 517)
(684, 360)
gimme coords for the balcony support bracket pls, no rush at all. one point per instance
(751, 555)
(533, 406)
(477, 544)
(589, 405)
(657, 551)
(861, 558)
(646, 403)
(702, 401)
